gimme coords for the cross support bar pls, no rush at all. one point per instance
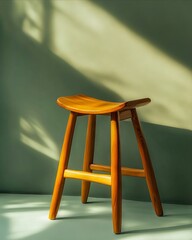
(88, 176)
(124, 170)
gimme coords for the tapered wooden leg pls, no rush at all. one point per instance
(63, 162)
(88, 155)
(116, 185)
(147, 165)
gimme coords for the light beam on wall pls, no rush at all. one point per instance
(112, 55)
(35, 136)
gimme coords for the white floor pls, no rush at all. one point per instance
(25, 217)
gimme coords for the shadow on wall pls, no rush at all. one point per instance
(54, 48)
(160, 23)
(110, 54)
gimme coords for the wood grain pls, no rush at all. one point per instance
(63, 162)
(87, 176)
(88, 155)
(134, 172)
(87, 105)
(116, 184)
(147, 165)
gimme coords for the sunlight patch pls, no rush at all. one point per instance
(35, 136)
(111, 54)
(20, 225)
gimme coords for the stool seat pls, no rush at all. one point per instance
(88, 105)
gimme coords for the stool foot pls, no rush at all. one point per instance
(116, 185)
(56, 199)
(63, 162)
(88, 155)
(85, 191)
(147, 165)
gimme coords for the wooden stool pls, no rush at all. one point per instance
(79, 105)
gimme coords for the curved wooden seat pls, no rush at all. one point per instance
(87, 105)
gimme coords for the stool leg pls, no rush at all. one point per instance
(147, 165)
(88, 155)
(116, 185)
(63, 162)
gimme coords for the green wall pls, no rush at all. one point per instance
(110, 50)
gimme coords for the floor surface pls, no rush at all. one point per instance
(25, 217)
